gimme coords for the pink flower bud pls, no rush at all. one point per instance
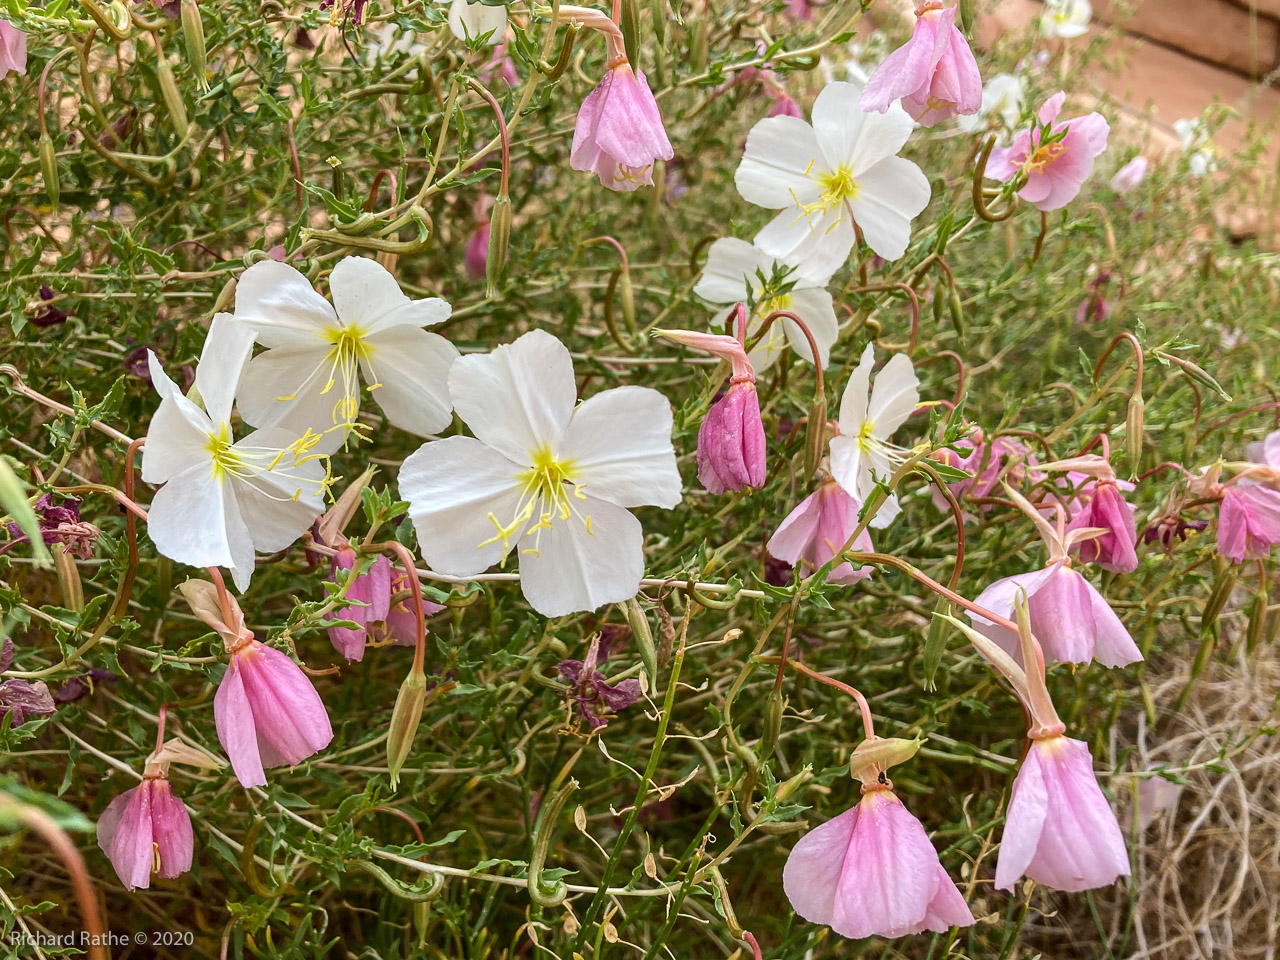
(819, 527)
(1248, 522)
(1108, 509)
(477, 251)
(731, 444)
(1059, 829)
(13, 49)
(873, 872)
(372, 588)
(1056, 156)
(267, 713)
(1130, 175)
(619, 133)
(146, 830)
(934, 73)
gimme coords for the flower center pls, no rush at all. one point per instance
(348, 346)
(248, 463)
(225, 458)
(548, 490)
(1045, 155)
(866, 438)
(838, 186)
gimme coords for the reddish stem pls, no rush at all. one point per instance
(868, 726)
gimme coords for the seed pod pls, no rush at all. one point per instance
(172, 95)
(629, 22)
(404, 721)
(939, 303)
(1133, 423)
(966, 17)
(1257, 620)
(193, 34)
(957, 311)
(1222, 587)
(49, 169)
(499, 236)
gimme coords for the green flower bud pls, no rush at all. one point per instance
(1133, 431)
(404, 721)
(815, 436)
(772, 725)
(639, 624)
(499, 236)
(629, 23)
(193, 34)
(172, 96)
(49, 169)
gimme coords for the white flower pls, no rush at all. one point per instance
(1066, 18)
(223, 499)
(552, 481)
(1002, 96)
(309, 377)
(824, 177)
(471, 21)
(862, 449)
(1194, 138)
(732, 274)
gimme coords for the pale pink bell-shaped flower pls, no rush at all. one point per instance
(934, 73)
(1130, 175)
(1107, 509)
(373, 589)
(13, 49)
(872, 871)
(987, 462)
(147, 830)
(1056, 156)
(1059, 829)
(817, 529)
(476, 255)
(1248, 521)
(619, 133)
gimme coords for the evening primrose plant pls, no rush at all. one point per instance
(490, 479)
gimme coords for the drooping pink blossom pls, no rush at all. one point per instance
(1248, 521)
(873, 872)
(817, 529)
(619, 133)
(401, 625)
(147, 830)
(13, 49)
(1060, 830)
(1105, 507)
(934, 73)
(988, 463)
(731, 442)
(373, 589)
(1056, 156)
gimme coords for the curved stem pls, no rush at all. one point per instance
(868, 725)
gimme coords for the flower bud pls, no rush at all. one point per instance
(788, 787)
(1257, 620)
(404, 721)
(815, 436)
(639, 624)
(499, 235)
(1133, 432)
(698, 44)
(193, 34)
(49, 169)
(772, 725)
(626, 293)
(629, 22)
(939, 302)
(957, 311)
(873, 757)
(658, 17)
(64, 561)
(172, 96)
(1222, 587)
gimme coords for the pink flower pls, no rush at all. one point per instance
(501, 66)
(619, 133)
(1130, 175)
(934, 73)
(372, 588)
(1056, 157)
(872, 871)
(13, 49)
(784, 105)
(401, 626)
(1108, 509)
(1059, 829)
(1002, 458)
(476, 255)
(1070, 618)
(1248, 522)
(146, 830)
(267, 713)
(801, 10)
(731, 444)
(817, 529)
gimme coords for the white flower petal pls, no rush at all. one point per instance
(222, 361)
(730, 271)
(853, 404)
(281, 306)
(815, 307)
(881, 137)
(619, 442)
(178, 435)
(889, 195)
(573, 570)
(410, 368)
(838, 122)
(895, 396)
(453, 487)
(474, 20)
(779, 164)
(817, 244)
(367, 296)
(188, 519)
(847, 464)
(284, 388)
(887, 513)
(518, 398)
